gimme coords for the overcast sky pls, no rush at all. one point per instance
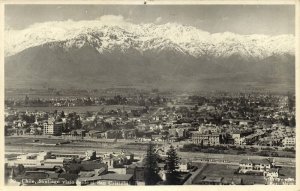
(241, 19)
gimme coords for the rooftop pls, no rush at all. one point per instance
(256, 161)
(86, 166)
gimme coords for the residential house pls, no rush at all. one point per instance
(255, 165)
(238, 136)
(272, 173)
(128, 133)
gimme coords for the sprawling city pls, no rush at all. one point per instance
(109, 140)
(99, 95)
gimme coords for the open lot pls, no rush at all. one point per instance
(227, 171)
(26, 144)
(221, 170)
(287, 172)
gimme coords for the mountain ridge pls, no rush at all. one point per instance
(165, 56)
(189, 40)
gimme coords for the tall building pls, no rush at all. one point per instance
(53, 127)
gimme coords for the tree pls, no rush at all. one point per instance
(18, 170)
(28, 118)
(285, 121)
(55, 113)
(73, 122)
(88, 114)
(172, 161)
(292, 122)
(62, 114)
(26, 100)
(151, 167)
(27, 130)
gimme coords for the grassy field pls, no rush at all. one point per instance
(287, 172)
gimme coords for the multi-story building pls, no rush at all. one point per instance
(205, 129)
(128, 134)
(205, 139)
(52, 127)
(239, 136)
(289, 142)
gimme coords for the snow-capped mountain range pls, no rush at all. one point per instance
(106, 53)
(123, 35)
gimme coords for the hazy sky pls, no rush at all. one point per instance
(241, 19)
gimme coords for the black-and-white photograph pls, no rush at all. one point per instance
(149, 94)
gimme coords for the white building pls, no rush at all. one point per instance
(30, 159)
(255, 165)
(52, 127)
(272, 173)
(289, 142)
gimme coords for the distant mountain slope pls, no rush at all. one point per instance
(142, 37)
(93, 54)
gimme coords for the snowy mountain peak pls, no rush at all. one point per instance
(105, 36)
